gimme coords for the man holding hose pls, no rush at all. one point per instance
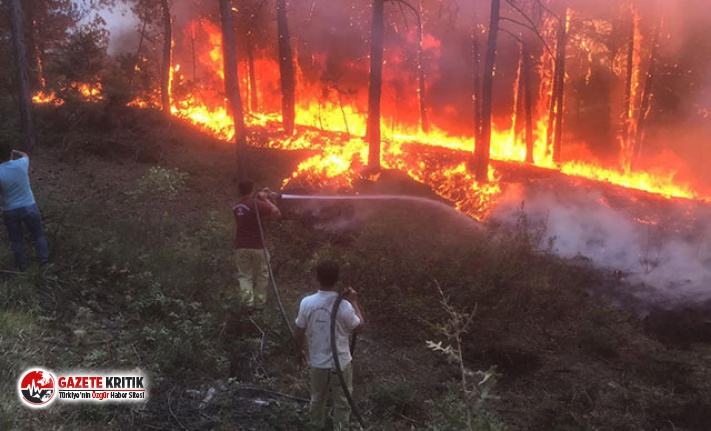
(250, 257)
(313, 323)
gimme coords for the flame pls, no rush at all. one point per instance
(87, 92)
(42, 98)
(342, 155)
(332, 114)
(90, 92)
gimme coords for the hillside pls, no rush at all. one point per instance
(137, 212)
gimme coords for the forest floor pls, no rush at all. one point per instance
(138, 216)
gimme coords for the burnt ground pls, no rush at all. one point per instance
(143, 277)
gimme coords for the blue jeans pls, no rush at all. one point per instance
(32, 219)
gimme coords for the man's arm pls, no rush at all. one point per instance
(17, 154)
(273, 209)
(352, 297)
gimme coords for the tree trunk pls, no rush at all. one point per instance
(37, 80)
(193, 53)
(167, 51)
(483, 149)
(554, 99)
(286, 70)
(562, 42)
(476, 93)
(377, 34)
(424, 119)
(229, 56)
(132, 72)
(628, 102)
(253, 95)
(526, 70)
(519, 117)
(27, 115)
(646, 97)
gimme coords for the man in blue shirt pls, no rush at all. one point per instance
(18, 205)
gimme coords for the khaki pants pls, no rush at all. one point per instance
(324, 381)
(253, 276)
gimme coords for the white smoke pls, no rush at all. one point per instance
(660, 249)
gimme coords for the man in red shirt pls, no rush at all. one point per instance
(251, 260)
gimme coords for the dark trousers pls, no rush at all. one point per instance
(32, 219)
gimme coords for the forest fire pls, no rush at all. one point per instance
(427, 138)
(342, 119)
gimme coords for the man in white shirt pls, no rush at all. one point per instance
(314, 324)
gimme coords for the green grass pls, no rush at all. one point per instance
(147, 279)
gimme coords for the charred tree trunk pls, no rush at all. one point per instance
(483, 149)
(229, 55)
(526, 70)
(646, 98)
(519, 125)
(37, 74)
(253, 97)
(167, 53)
(551, 111)
(424, 119)
(193, 53)
(377, 34)
(628, 102)
(476, 92)
(27, 115)
(286, 70)
(560, 97)
(132, 72)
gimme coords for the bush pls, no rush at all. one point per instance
(161, 183)
(393, 398)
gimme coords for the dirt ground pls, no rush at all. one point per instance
(144, 280)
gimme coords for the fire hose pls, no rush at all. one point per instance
(336, 305)
(272, 282)
(337, 362)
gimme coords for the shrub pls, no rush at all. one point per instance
(161, 183)
(393, 398)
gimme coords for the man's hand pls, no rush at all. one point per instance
(351, 295)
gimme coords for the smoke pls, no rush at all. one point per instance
(344, 214)
(659, 248)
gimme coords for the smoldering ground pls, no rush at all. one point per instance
(657, 248)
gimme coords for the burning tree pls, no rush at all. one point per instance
(376, 82)
(232, 90)
(549, 90)
(483, 148)
(286, 70)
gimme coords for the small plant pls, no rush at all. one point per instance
(161, 182)
(393, 398)
(465, 408)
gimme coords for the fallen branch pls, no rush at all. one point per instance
(267, 391)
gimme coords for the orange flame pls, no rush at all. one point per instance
(438, 158)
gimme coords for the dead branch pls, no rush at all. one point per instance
(269, 392)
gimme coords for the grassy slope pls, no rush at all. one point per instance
(143, 279)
